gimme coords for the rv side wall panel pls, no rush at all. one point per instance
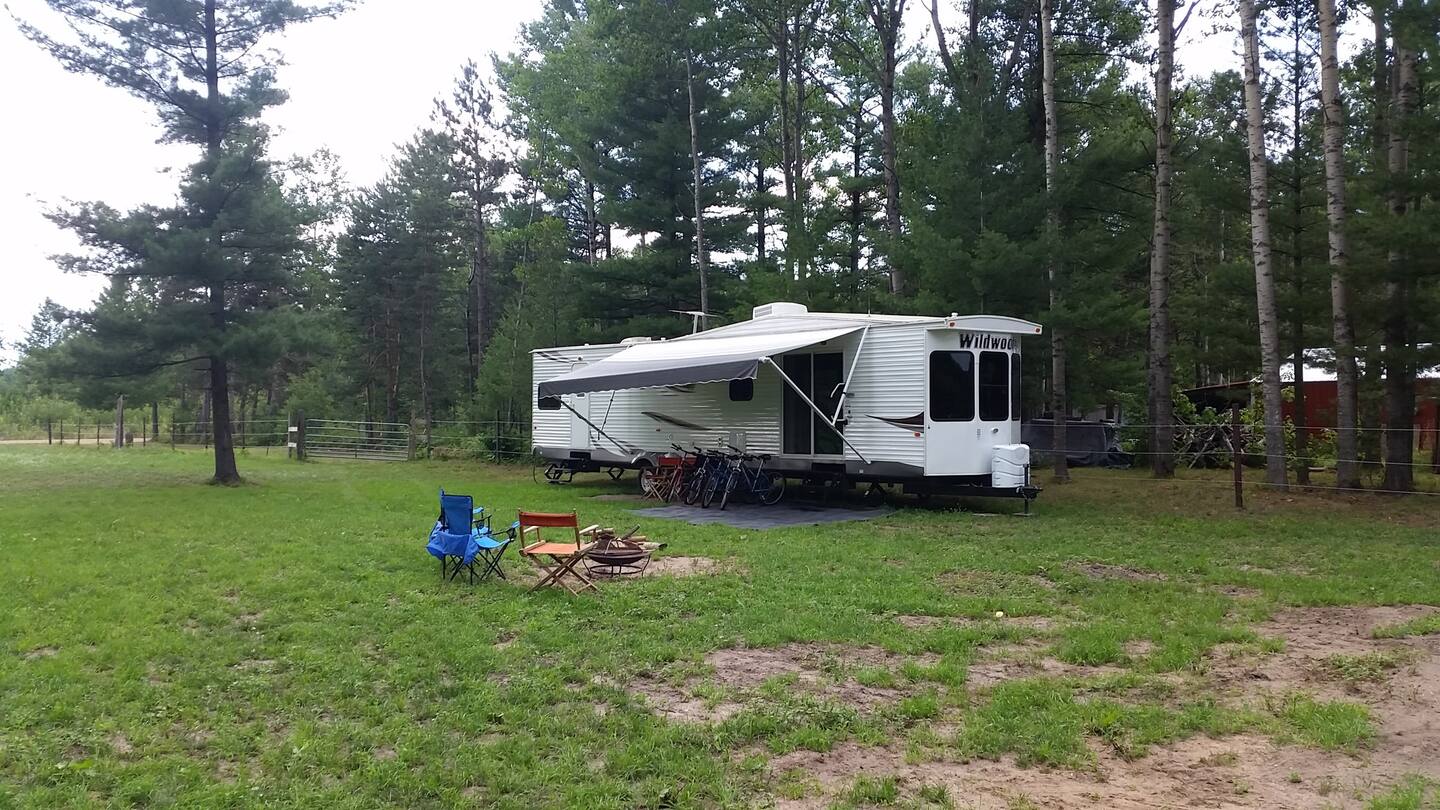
(654, 418)
(889, 384)
(552, 428)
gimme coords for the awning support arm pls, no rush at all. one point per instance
(845, 387)
(814, 407)
(612, 439)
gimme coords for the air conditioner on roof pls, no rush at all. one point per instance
(778, 308)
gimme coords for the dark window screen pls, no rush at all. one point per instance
(829, 374)
(994, 386)
(797, 413)
(952, 386)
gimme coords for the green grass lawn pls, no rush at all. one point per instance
(288, 641)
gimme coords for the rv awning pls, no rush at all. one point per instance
(684, 362)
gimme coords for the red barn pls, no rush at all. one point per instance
(1320, 396)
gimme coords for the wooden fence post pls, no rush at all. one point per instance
(119, 422)
(172, 435)
(1237, 455)
(411, 441)
(50, 433)
(299, 435)
(97, 434)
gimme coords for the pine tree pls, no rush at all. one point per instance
(221, 256)
(1347, 449)
(1161, 373)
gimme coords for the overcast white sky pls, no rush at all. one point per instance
(358, 84)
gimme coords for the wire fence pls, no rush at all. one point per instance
(497, 440)
(509, 442)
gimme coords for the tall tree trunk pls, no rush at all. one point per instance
(1399, 367)
(1347, 469)
(472, 332)
(701, 259)
(590, 218)
(888, 158)
(424, 373)
(1162, 413)
(799, 232)
(887, 17)
(1275, 468)
(1059, 406)
(945, 58)
(225, 470)
(762, 213)
(857, 211)
(787, 166)
(1297, 262)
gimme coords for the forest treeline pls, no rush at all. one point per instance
(628, 162)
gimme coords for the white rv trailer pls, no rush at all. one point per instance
(930, 402)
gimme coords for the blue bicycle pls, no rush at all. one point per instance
(743, 474)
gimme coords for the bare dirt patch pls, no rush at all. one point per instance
(249, 621)
(1244, 771)
(120, 744)
(824, 671)
(993, 583)
(1096, 570)
(1139, 647)
(1238, 592)
(1235, 772)
(987, 673)
(1042, 624)
(683, 566)
(41, 652)
(1404, 701)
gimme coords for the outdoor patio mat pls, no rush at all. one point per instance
(750, 516)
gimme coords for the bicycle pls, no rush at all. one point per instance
(746, 474)
(709, 466)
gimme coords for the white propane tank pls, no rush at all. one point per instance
(1010, 466)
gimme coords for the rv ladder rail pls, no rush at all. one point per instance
(845, 386)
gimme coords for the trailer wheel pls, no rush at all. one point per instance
(775, 491)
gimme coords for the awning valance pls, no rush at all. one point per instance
(684, 362)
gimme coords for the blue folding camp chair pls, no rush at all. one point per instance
(463, 541)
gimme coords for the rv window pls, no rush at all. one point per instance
(952, 386)
(994, 386)
(742, 390)
(1015, 387)
(549, 403)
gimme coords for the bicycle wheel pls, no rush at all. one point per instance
(729, 488)
(770, 488)
(713, 485)
(694, 486)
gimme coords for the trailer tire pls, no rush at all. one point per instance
(775, 491)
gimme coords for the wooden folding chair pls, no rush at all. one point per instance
(564, 556)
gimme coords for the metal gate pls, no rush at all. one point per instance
(370, 441)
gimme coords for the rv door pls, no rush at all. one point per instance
(967, 404)
(579, 431)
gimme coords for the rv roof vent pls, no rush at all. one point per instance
(631, 341)
(778, 308)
